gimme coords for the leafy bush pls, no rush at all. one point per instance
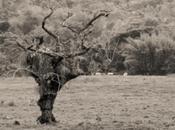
(150, 55)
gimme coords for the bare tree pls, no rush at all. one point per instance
(52, 69)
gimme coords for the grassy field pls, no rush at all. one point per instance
(93, 103)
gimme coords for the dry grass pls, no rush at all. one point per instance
(94, 103)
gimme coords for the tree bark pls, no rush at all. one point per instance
(48, 92)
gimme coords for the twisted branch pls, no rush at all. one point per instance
(60, 56)
(45, 29)
(90, 23)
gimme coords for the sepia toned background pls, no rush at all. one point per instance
(137, 38)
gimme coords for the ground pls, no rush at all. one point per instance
(93, 103)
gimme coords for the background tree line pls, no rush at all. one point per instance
(21, 19)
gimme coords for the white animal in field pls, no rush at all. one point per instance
(110, 73)
(98, 73)
(125, 74)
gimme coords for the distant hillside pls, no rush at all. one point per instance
(125, 14)
(25, 17)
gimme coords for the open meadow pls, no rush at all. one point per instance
(93, 103)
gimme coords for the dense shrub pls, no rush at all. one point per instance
(150, 55)
(9, 54)
(4, 26)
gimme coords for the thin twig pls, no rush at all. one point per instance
(102, 13)
(19, 69)
(78, 53)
